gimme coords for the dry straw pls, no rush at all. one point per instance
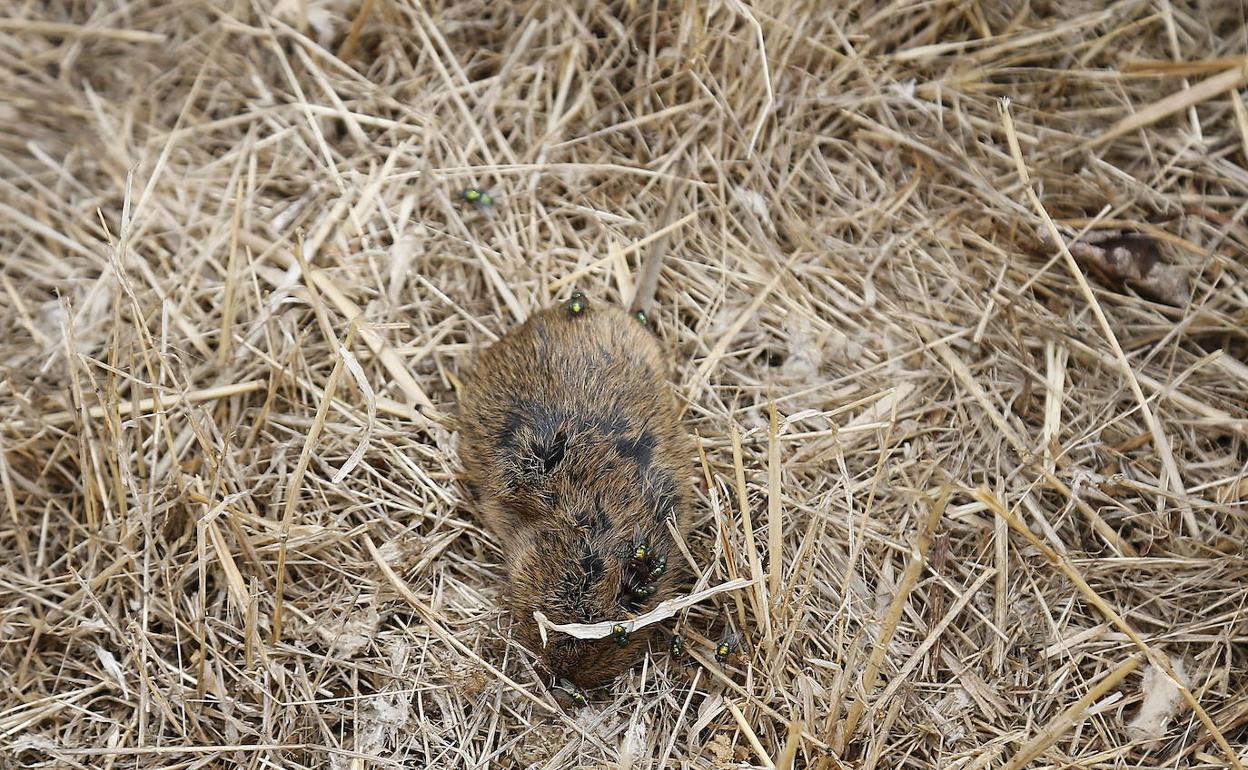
(973, 482)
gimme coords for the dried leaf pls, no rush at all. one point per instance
(1120, 257)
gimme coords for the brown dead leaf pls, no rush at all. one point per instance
(1120, 257)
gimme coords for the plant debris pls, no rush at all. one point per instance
(238, 286)
(1132, 259)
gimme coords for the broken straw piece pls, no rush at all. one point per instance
(663, 611)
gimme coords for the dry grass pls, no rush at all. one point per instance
(995, 498)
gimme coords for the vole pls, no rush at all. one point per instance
(572, 447)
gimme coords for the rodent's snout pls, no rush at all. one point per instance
(588, 663)
(574, 579)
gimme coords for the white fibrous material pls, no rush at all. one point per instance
(1160, 705)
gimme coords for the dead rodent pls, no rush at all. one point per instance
(571, 444)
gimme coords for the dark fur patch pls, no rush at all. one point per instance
(536, 428)
(547, 421)
(593, 567)
(639, 450)
(552, 454)
(511, 426)
(595, 521)
(613, 424)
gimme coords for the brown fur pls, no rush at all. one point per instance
(570, 440)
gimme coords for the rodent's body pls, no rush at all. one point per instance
(571, 442)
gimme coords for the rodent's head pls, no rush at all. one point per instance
(573, 577)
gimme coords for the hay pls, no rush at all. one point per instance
(983, 502)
